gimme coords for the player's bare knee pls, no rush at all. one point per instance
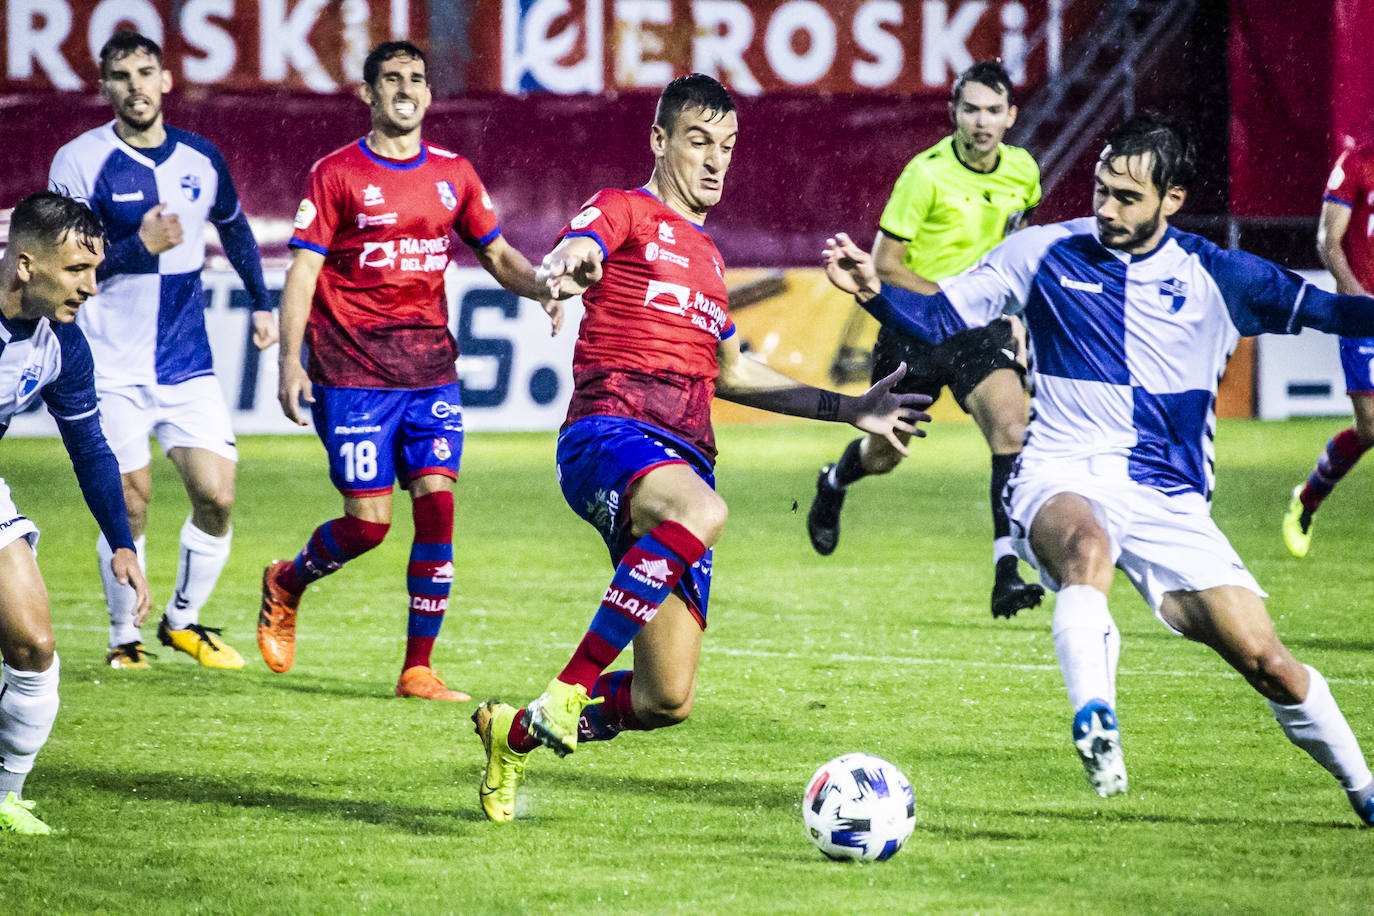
(30, 650)
(665, 709)
(878, 457)
(1273, 671)
(210, 511)
(706, 519)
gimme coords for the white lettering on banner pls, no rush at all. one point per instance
(34, 31)
(725, 29)
(110, 14)
(203, 34)
(284, 43)
(631, 69)
(944, 43)
(1015, 48)
(880, 44)
(532, 54)
(810, 19)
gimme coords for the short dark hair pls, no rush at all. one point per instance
(122, 44)
(986, 73)
(372, 67)
(48, 217)
(694, 91)
(1165, 137)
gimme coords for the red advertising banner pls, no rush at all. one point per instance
(555, 46)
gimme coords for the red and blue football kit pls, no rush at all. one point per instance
(1352, 185)
(646, 348)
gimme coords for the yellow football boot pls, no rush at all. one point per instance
(505, 766)
(1297, 526)
(201, 644)
(129, 655)
(552, 718)
(16, 816)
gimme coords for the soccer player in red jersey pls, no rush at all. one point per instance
(636, 455)
(365, 291)
(1345, 242)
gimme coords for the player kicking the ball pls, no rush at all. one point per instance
(46, 275)
(366, 290)
(1131, 322)
(636, 455)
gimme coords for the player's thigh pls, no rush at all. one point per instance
(1071, 543)
(676, 493)
(1233, 621)
(127, 417)
(207, 476)
(667, 651)
(26, 637)
(998, 405)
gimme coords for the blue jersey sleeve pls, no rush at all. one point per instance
(125, 256)
(930, 318)
(242, 251)
(71, 400)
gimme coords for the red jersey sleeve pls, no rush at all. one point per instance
(1343, 187)
(317, 217)
(475, 220)
(607, 219)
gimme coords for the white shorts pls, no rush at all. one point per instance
(190, 414)
(14, 526)
(1162, 543)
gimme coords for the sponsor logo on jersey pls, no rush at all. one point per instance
(653, 253)
(441, 449)
(1081, 285)
(442, 152)
(28, 381)
(486, 200)
(442, 410)
(1173, 292)
(585, 218)
(719, 271)
(372, 196)
(651, 571)
(367, 220)
(677, 292)
(447, 197)
(665, 234)
(381, 254)
(127, 197)
(190, 186)
(305, 215)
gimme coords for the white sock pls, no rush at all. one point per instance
(28, 707)
(1001, 547)
(1317, 726)
(832, 480)
(199, 562)
(1088, 645)
(120, 599)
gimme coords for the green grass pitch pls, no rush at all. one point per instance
(183, 789)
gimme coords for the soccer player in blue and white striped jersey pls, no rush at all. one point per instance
(1130, 324)
(46, 275)
(154, 188)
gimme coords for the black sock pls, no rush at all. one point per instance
(1006, 568)
(1001, 471)
(850, 468)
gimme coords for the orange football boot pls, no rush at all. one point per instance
(277, 620)
(420, 681)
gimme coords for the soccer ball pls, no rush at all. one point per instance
(859, 807)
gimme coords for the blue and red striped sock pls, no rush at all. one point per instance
(604, 721)
(643, 580)
(1339, 456)
(430, 575)
(331, 546)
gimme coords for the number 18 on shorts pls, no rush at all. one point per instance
(376, 436)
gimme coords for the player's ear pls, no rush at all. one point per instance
(365, 93)
(1173, 200)
(23, 267)
(658, 139)
(1011, 116)
(166, 81)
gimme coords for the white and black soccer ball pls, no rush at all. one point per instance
(859, 807)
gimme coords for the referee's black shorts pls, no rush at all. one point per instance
(959, 363)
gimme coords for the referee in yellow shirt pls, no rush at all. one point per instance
(952, 203)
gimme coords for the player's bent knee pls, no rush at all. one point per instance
(663, 712)
(30, 650)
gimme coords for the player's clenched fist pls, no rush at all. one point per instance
(160, 231)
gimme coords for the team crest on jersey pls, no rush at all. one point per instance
(29, 380)
(441, 449)
(1173, 293)
(585, 218)
(190, 186)
(305, 215)
(447, 197)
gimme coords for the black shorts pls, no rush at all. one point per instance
(959, 363)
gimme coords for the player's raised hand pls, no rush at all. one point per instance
(293, 386)
(570, 269)
(881, 411)
(849, 267)
(124, 565)
(264, 329)
(160, 231)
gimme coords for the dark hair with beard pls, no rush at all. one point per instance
(986, 73)
(48, 217)
(695, 91)
(122, 44)
(372, 67)
(1160, 135)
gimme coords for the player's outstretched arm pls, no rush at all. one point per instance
(513, 271)
(296, 297)
(572, 268)
(878, 410)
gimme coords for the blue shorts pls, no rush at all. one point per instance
(598, 460)
(376, 436)
(1357, 359)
